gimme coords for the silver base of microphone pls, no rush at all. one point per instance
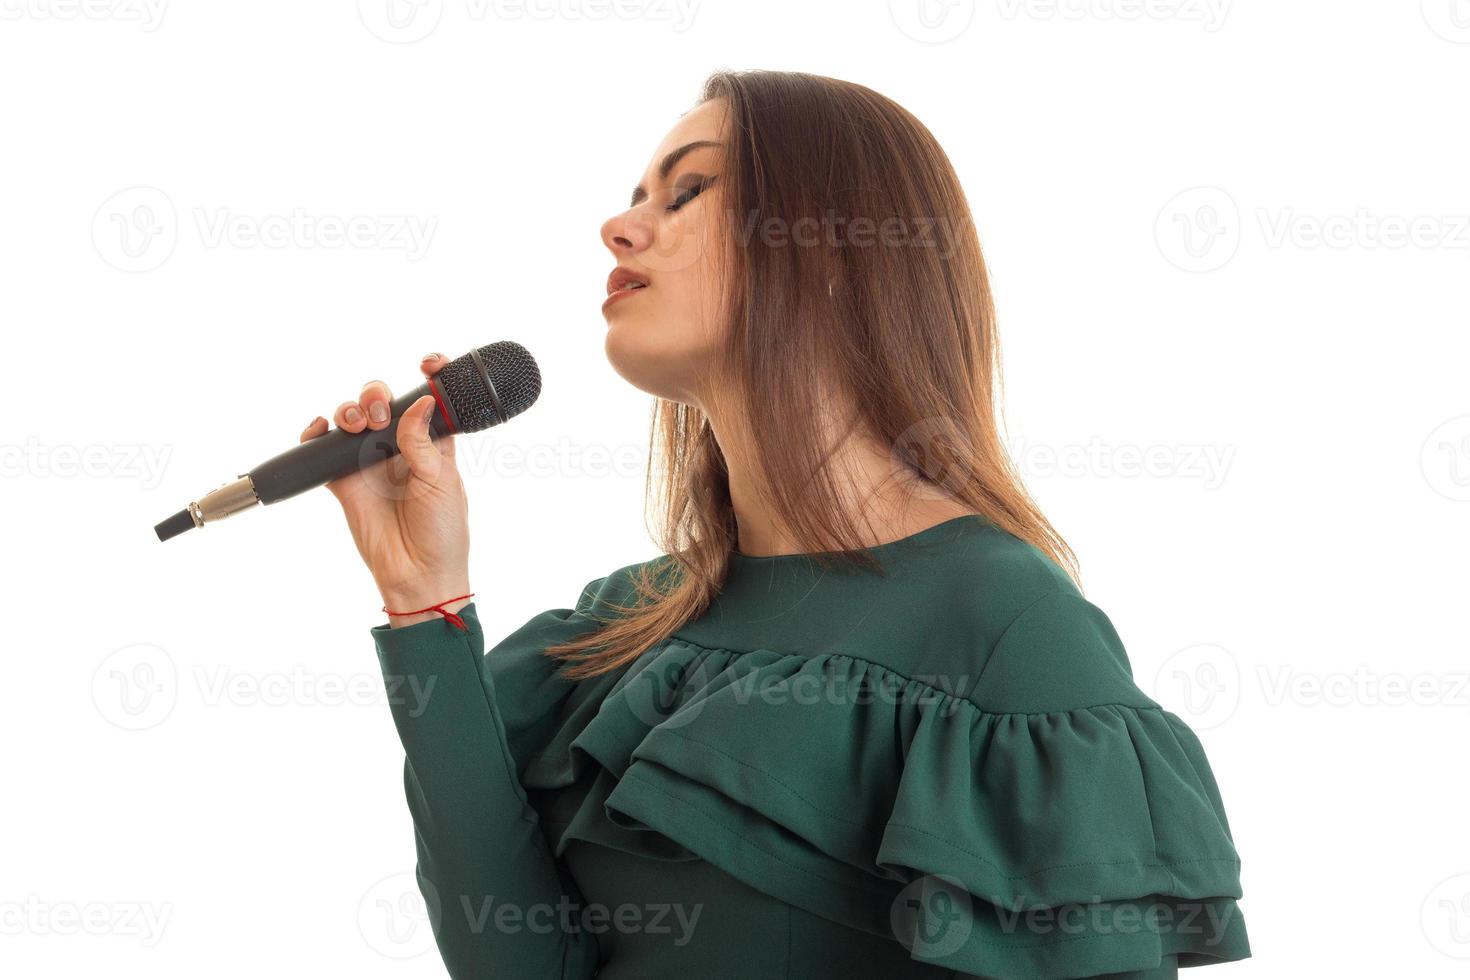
(219, 504)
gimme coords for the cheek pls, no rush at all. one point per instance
(664, 342)
(687, 303)
(679, 245)
(697, 303)
(677, 318)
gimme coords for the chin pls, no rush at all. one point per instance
(646, 360)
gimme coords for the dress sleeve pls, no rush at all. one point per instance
(500, 903)
(1089, 806)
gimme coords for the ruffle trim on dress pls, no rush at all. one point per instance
(1022, 845)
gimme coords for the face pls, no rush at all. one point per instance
(661, 334)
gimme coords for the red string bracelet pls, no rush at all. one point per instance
(455, 618)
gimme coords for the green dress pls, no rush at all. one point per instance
(943, 770)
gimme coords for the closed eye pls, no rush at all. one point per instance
(689, 193)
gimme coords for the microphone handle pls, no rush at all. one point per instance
(338, 453)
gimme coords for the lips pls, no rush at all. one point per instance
(625, 278)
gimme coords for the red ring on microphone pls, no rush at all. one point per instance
(439, 400)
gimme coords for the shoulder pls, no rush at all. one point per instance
(606, 595)
(599, 600)
(1000, 575)
(534, 700)
(1060, 653)
(1036, 643)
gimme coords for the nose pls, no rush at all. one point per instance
(628, 233)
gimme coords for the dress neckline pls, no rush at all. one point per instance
(931, 533)
(793, 604)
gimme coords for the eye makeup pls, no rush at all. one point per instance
(666, 166)
(689, 187)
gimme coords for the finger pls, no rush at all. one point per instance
(318, 427)
(374, 401)
(414, 443)
(431, 365)
(349, 416)
(316, 430)
(445, 444)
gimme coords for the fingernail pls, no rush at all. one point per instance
(353, 416)
(379, 412)
(431, 357)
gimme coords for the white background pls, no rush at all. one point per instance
(1194, 212)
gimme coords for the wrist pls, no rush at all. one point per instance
(422, 596)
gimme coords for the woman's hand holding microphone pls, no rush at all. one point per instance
(410, 519)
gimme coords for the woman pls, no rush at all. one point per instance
(857, 720)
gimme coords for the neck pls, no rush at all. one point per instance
(881, 500)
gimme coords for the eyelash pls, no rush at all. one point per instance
(689, 194)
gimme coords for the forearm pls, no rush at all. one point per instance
(501, 904)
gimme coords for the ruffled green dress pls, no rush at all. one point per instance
(943, 770)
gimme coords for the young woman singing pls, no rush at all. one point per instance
(857, 720)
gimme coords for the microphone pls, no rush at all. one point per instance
(487, 386)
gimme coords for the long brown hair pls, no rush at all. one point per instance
(853, 277)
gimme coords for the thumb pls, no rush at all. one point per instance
(418, 450)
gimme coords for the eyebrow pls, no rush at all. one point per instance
(667, 164)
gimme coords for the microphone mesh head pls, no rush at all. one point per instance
(509, 383)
